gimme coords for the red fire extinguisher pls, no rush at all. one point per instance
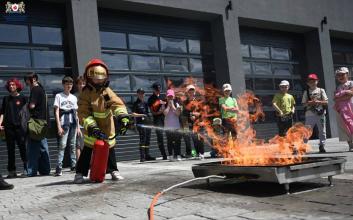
(99, 161)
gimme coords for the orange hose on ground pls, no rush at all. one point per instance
(151, 209)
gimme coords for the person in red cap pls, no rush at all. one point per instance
(315, 103)
(99, 111)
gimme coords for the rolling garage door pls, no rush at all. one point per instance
(269, 57)
(142, 49)
(37, 44)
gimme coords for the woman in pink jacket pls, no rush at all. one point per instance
(344, 105)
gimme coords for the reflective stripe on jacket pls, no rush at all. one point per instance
(96, 109)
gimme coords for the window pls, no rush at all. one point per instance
(263, 84)
(173, 45)
(194, 46)
(13, 33)
(51, 82)
(46, 35)
(247, 68)
(48, 59)
(262, 68)
(279, 54)
(113, 39)
(116, 61)
(145, 82)
(175, 64)
(249, 84)
(143, 42)
(245, 50)
(119, 82)
(15, 58)
(139, 62)
(282, 69)
(338, 58)
(260, 52)
(195, 65)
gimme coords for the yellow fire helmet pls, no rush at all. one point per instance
(96, 69)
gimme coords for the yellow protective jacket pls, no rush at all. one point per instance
(96, 108)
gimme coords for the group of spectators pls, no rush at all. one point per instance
(315, 103)
(167, 114)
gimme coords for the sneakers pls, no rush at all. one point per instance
(4, 185)
(171, 158)
(350, 144)
(58, 172)
(12, 174)
(116, 176)
(322, 148)
(201, 156)
(178, 158)
(78, 178)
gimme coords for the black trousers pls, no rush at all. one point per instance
(229, 126)
(14, 135)
(159, 122)
(283, 126)
(83, 163)
(198, 144)
(145, 136)
(174, 142)
(187, 140)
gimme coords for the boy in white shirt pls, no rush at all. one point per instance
(65, 108)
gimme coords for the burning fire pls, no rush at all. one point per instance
(245, 149)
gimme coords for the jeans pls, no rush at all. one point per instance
(15, 135)
(38, 157)
(68, 139)
(320, 122)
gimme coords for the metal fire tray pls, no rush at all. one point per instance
(310, 168)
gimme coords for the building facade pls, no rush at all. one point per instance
(250, 43)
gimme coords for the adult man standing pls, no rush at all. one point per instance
(38, 154)
(156, 103)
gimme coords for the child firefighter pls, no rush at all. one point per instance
(98, 108)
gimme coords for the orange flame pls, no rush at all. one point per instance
(245, 149)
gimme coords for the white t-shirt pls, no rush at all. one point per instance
(66, 103)
(314, 94)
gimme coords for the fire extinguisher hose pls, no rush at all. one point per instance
(150, 211)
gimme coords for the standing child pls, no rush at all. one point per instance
(172, 124)
(65, 108)
(344, 106)
(229, 109)
(80, 83)
(315, 102)
(284, 104)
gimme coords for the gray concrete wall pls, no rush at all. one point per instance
(84, 33)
